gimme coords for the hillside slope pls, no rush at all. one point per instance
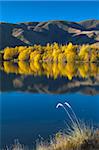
(30, 33)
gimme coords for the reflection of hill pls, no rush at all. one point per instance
(50, 79)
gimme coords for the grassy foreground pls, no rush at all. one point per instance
(78, 136)
(74, 139)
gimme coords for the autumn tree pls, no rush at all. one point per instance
(10, 53)
(52, 53)
(24, 55)
(56, 52)
(35, 56)
(94, 55)
(85, 53)
(70, 52)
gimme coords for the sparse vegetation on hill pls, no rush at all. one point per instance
(60, 31)
(52, 53)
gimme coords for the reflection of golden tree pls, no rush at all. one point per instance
(10, 67)
(94, 70)
(70, 70)
(24, 67)
(56, 71)
(84, 70)
(53, 70)
(47, 69)
(36, 68)
(61, 67)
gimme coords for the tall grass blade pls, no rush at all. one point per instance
(61, 105)
(69, 106)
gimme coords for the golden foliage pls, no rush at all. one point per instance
(53, 53)
(10, 53)
(24, 55)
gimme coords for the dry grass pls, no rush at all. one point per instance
(74, 139)
(78, 136)
(84, 138)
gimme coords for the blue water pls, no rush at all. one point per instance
(28, 116)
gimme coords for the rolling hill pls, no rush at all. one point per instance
(29, 33)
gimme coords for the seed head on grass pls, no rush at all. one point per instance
(75, 137)
(61, 105)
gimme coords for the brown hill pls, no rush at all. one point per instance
(30, 33)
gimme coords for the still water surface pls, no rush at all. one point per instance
(28, 105)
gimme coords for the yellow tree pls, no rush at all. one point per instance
(21, 48)
(71, 53)
(24, 55)
(61, 58)
(47, 57)
(56, 52)
(84, 70)
(10, 53)
(85, 53)
(94, 55)
(35, 56)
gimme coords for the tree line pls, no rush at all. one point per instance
(52, 53)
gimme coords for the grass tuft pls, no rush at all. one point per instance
(78, 136)
(74, 139)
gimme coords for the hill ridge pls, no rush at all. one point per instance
(60, 31)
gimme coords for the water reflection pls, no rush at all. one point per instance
(60, 81)
(50, 77)
(54, 70)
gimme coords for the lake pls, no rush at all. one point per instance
(29, 98)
